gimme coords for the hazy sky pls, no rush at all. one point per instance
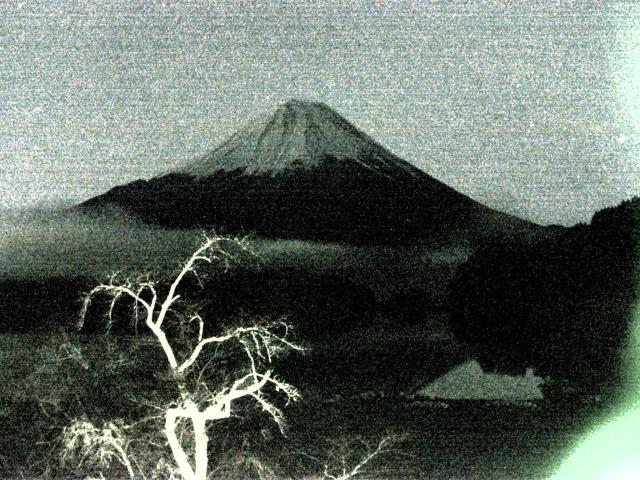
(532, 106)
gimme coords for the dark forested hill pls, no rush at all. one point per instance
(563, 305)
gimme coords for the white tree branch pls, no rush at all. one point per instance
(382, 447)
(179, 456)
(188, 267)
(260, 344)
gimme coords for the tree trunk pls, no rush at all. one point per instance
(202, 440)
(179, 456)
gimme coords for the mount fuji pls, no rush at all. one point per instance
(305, 172)
(299, 135)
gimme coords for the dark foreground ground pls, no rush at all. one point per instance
(435, 440)
(452, 440)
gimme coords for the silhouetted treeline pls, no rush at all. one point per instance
(33, 304)
(318, 305)
(562, 305)
(315, 304)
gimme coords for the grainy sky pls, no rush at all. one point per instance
(529, 106)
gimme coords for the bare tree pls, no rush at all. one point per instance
(345, 472)
(350, 458)
(185, 350)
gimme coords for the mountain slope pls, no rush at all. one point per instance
(306, 172)
(298, 135)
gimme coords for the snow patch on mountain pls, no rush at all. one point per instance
(470, 381)
(298, 134)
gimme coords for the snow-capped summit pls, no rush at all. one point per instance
(297, 134)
